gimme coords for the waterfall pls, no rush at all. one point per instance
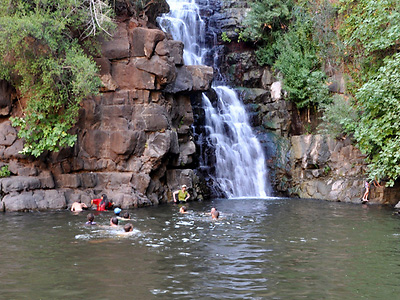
(239, 162)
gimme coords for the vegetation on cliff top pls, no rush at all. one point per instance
(360, 37)
(44, 49)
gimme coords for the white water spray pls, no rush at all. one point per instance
(240, 169)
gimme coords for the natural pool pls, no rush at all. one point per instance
(259, 249)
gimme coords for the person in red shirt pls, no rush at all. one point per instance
(102, 204)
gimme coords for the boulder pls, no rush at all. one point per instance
(185, 153)
(46, 180)
(68, 180)
(163, 69)
(141, 182)
(144, 41)
(8, 134)
(158, 144)
(123, 142)
(19, 183)
(50, 199)
(108, 84)
(14, 150)
(150, 118)
(95, 142)
(267, 78)
(128, 76)
(191, 78)
(19, 202)
(118, 46)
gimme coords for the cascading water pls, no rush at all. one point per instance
(240, 169)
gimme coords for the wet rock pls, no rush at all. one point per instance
(191, 78)
(49, 199)
(19, 202)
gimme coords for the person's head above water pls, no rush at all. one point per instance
(117, 211)
(126, 215)
(114, 221)
(183, 209)
(90, 217)
(213, 209)
(215, 214)
(128, 227)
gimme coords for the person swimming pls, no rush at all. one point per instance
(117, 211)
(183, 210)
(90, 219)
(128, 227)
(78, 206)
(114, 222)
(215, 214)
(125, 217)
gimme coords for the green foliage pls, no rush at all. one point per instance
(300, 66)
(42, 55)
(265, 22)
(370, 31)
(339, 117)
(378, 132)
(4, 171)
(225, 37)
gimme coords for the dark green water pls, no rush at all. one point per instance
(259, 249)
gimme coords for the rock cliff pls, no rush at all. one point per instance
(134, 139)
(308, 166)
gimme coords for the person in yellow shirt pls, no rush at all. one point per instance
(181, 195)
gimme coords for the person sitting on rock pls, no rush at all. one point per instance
(181, 195)
(90, 219)
(77, 206)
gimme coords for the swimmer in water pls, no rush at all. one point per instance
(90, 219)
(125, 217)
(211, 211)
(215, 214)
(114, 222)
(77, 206)
(128, 227)
(183, 210)
(117, 211)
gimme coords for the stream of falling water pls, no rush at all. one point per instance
(240, 168)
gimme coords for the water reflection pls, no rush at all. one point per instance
(258, 249)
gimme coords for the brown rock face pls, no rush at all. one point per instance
(133, 138)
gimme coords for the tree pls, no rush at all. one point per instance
(43, 55)
(378, 133)
(300, 65)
